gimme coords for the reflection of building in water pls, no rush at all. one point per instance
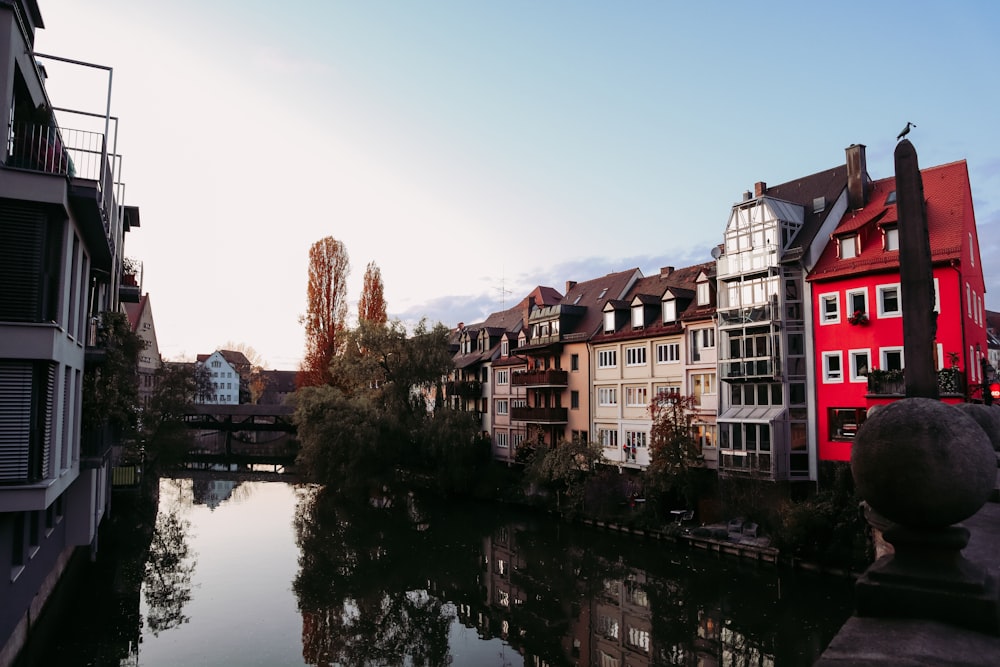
(622, 629)
(212, 492)
(719, 643)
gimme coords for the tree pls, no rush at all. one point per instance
(326, 310)
(675, 465)
(371, 307)
(111, 389)
(565, 469)
(255, 381)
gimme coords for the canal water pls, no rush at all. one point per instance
(245, 572)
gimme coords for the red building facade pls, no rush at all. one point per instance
(857, 318)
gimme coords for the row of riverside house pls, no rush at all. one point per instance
(62, 226)
(784, 339)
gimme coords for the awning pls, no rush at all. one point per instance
(761, 414)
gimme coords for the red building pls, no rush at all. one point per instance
(857, 306)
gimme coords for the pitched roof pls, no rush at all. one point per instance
(948, 202)
(804, 191)
(590, 296)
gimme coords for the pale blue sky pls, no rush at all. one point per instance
(463, 146)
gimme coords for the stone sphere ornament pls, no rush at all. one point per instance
(923, 464)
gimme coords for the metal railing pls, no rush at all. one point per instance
(552, 377)
(548, 415)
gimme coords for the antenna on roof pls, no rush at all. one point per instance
(503, 290)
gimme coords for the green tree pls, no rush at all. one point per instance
(177, 386)
(111, 387)
(565, 469)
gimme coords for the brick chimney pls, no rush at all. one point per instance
(758, 188)
(857, 177)
(666, 271)
(570, 284)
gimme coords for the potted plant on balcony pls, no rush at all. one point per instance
(858, 317)
(950, 379)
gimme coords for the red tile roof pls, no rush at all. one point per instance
(946, 194)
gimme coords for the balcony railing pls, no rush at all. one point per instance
(741, 316)
(465, 388)
(538, 378)
(951, 382)
(749, 369)
(540, 415)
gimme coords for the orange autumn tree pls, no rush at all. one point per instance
(371, 307)
(326, 315)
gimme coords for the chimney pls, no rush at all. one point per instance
(461, 325)
(747, 195)
(857, 177)
(570, 284)
(666, 271)
(758, 188)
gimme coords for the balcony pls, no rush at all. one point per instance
(950, 381)
(540, 378)
(465, 388)
(80, 156)
(745, 316)
(750, 369)
(540, 415)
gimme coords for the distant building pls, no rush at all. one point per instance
(275, 386)
(140, 317)
(225, 380)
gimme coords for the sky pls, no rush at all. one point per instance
(474, 150)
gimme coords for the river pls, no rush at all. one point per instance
(270, 573)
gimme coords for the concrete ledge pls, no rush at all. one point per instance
(892, 641)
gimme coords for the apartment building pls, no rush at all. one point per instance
(858, 307)
(140, 317)
(62, 226)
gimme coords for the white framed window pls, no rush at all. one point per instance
(502, 376)
(849, 247)
(607, 358)
(609, 321)
(892, 239)
(702, 384)
(516, 439)
(501, 406)
(888, 300)
(638, 319)
(833, 367)
(636, 396)
(635, 438)
(861, 362)
(608, 437)
(501, 439)
(891, 358)
(635, 356)
(937, 296)
(504, 348)
(704, 293)
(607, 396)
(829, 308)
(857, 301)
(668, 353)
(670, 311)
(667, 392)
(518, 402)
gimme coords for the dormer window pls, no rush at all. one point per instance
(848, 246)
(504, 348)
(638, 320)
(891, 241)
(704, 293)
(609, 321)
(670, 311)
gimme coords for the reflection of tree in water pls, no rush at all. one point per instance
(169, 569)
(362, 600)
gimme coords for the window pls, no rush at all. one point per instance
(609, 321)
(517, 439)
(702, 384)
(636, 396)
(638, 639)
(891, 239)
(833, 367)
(607, 358)
(860, 363)
(607, 437)
(501, 439)
(891, 358)
(574, 362)
(848, 247)
(501, 406)
(701, 339)
(704, 293)
(704, 435)
(638, 319)
(857, 301)
(607, 396)
(829, 308)
(844, 422)
(668, 353)
(504, 348)
(635, 356)
(574, 400)
(670, 311)
(888, 300)
(502, 377)
(635, 439)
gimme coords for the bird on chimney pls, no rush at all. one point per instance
(906, 131)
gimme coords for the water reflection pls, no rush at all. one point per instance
(381, 583)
